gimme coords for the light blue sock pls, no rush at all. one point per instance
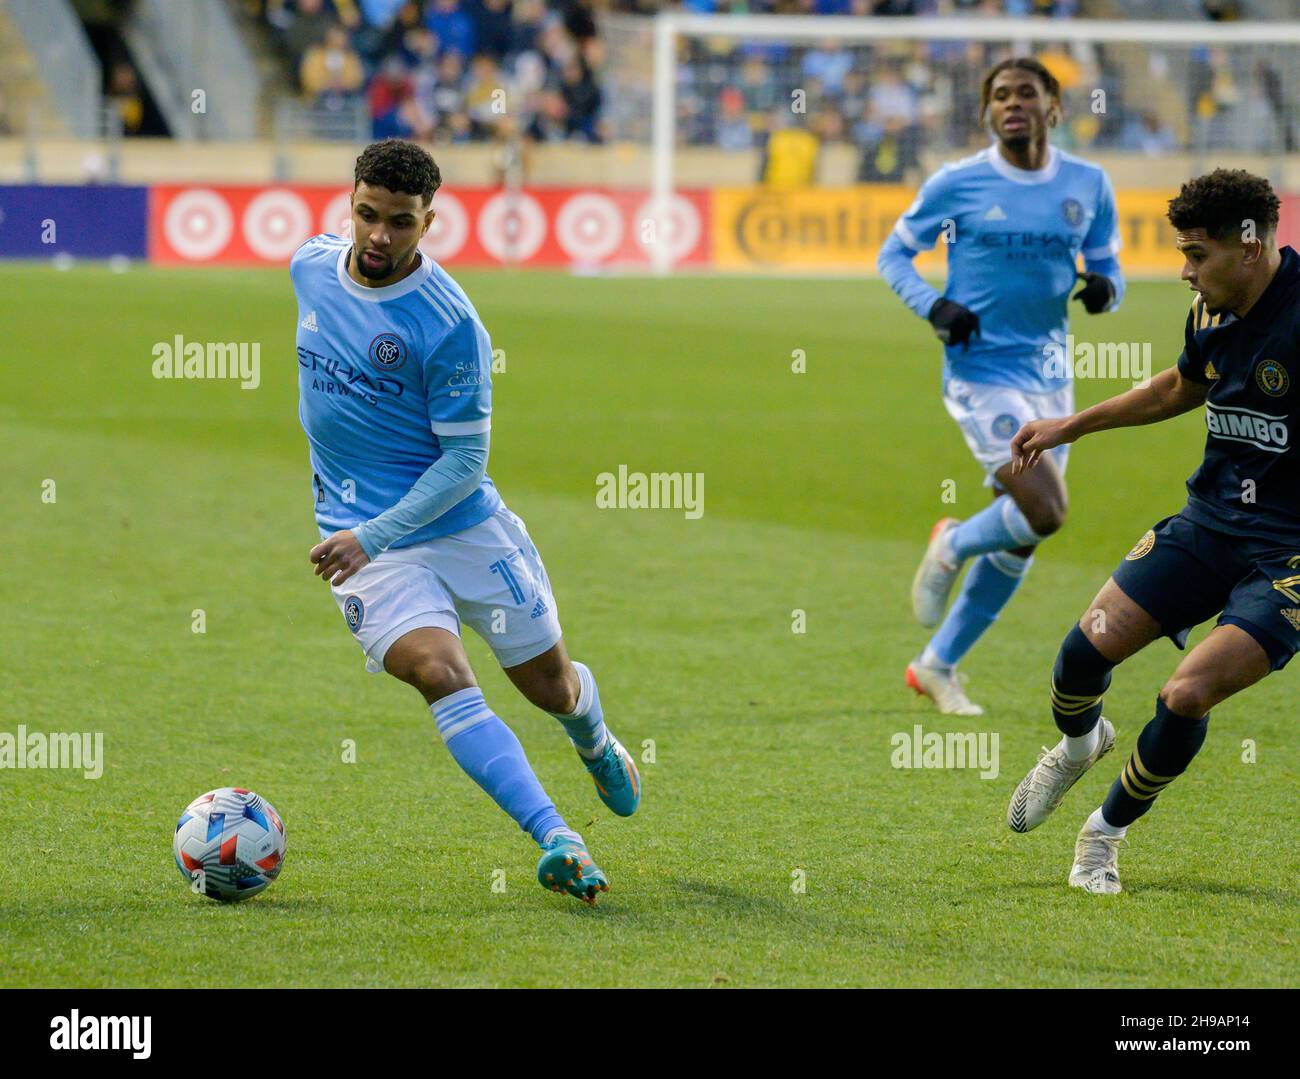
(990, 583)
(1000, 526)
(586, 725)
(492, 757)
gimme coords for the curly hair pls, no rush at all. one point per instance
(399, 166)
(1018, 63)
(1221, 202)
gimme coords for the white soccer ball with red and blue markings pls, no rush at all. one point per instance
(229, 844)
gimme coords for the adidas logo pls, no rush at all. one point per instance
(539, 609)
(995, 214)
(1210, 372)
(1291, 615)
(309, 323)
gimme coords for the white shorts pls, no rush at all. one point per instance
(989, 416)
(489, 575)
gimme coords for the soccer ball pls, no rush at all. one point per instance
(229, 843)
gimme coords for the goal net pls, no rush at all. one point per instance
(710, 102)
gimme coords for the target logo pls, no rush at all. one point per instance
(450, 228)
(677, 226)
(275, 223)
(198, 224)
(589, 227)
(511, 227)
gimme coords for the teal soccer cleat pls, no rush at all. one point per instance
(565, 866)
(617, 781)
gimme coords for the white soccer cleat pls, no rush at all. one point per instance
(943, 686)
(1042, 789)
(1096, 862)
(935, 577)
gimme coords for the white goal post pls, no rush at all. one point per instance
(1021, 34)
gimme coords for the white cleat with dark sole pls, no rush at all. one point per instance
(1096, 862)
(1042, 789)
(943, 685)
(935, 577)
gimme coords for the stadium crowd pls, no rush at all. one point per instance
(479, 70)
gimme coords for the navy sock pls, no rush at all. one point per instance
(1080, 677)
(1164, 749)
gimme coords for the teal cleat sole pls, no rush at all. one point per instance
(566, 867)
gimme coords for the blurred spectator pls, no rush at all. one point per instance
(126, 99)
(308, 24)
(1147, 134)
(829, 63)
(485, 97)
(733, 130)
(331, 71)
(455, 29)
(581, 99)
(394, 109)
(494, 28)
(790, 156)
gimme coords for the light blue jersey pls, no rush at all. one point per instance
(383, 373)
(1014, 241)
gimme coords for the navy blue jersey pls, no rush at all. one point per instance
(1249, 481)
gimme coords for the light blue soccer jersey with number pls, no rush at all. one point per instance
(1013, 239)
(382, 373)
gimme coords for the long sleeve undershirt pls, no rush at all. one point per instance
(451, 479)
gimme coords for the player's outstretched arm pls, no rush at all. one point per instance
(1165, 396)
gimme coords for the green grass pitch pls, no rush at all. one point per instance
(772, 748)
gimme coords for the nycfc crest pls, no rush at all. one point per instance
(387, 352)
(1143, 546)
(355, 612)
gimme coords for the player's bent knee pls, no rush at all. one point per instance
(1187, 696)
(436, 677)
(1047, 519)
(556, 693)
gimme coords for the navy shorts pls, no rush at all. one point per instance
(1182, 573)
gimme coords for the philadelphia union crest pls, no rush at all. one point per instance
(387, 352)
(1271, 377)
(355, 612)
(1142, 547)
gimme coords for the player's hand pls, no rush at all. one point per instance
(954, 324)
(338, 557)
(1097, 293)
(1034, 439)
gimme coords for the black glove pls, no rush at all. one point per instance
(1096, 294)
(953, 324)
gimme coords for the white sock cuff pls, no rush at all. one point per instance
(1100, 824)
(586, 690)
(1013, 565)
(1018, 524)
(460, 711)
